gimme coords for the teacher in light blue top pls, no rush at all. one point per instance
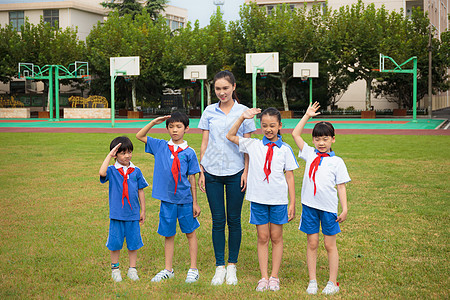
(223, 167)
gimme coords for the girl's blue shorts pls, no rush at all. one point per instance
(168, 215)
(120, 230)
(312, 218)
(261, 214)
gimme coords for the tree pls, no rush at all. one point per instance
(357, 52)
(411, 39)
(134, 7)
(125, 36)
(11, 49)
(199, 46)
(155, 7)
(297, 35)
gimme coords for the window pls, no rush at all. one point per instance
(51, 16)
(16, 18)
(175, 25)
(270, 9)
(17, 87)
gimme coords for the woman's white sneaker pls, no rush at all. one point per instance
(219, 277)
(231, 275)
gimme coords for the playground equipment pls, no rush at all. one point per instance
(8, 101)
(262, 63)
(194, 73)
(398, 69)
(53, 73)
(307, 71)
(126, 66)
(90, 102)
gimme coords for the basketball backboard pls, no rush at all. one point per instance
(194, 72)
(81, 68)
(26, 70)
(306, 70)
(269, 62)
(124, 66)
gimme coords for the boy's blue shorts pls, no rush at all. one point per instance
(311, 219)
(120, 230)
(261, 214)
(168, 215)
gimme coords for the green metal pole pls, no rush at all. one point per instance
(310, 91)
(113, 78)
(50, 92)
(254, 74)
(203, 96)
(415, 90)
(57, 92)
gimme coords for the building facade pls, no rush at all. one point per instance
(355, 95)
(82, 14)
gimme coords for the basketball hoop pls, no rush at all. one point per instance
(127, 78)
(304, 79)
(263, 75)
(193, 80)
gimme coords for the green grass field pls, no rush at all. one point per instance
(54, 224)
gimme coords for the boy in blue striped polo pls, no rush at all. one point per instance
(126, 204)
(174, 184)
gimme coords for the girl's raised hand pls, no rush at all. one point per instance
(312, 109)
(159, 120)
(251, 112)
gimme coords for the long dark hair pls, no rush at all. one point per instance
(228, 76)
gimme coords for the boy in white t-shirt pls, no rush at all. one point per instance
(324, 171)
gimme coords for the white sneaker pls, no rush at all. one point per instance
(192, 276)
(231, 275)
(132, 274)
(162, 275)
(330, 289)
(116, 275)
(219, 277)
(312, 287)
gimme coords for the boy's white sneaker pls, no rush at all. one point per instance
(132, 274)
(163, 275)
(116, 275)
(330, 289)
(312, 287)
(231, 275)
(219, 277)
(192, 276)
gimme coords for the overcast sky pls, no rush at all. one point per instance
(202, 9)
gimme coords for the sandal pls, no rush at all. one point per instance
(263, 284)
(274, 284)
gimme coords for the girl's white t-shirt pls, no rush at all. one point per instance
(274, 192)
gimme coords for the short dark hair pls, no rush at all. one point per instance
(323, 129)
(178, 116)
(271, 111)
(126, 144)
